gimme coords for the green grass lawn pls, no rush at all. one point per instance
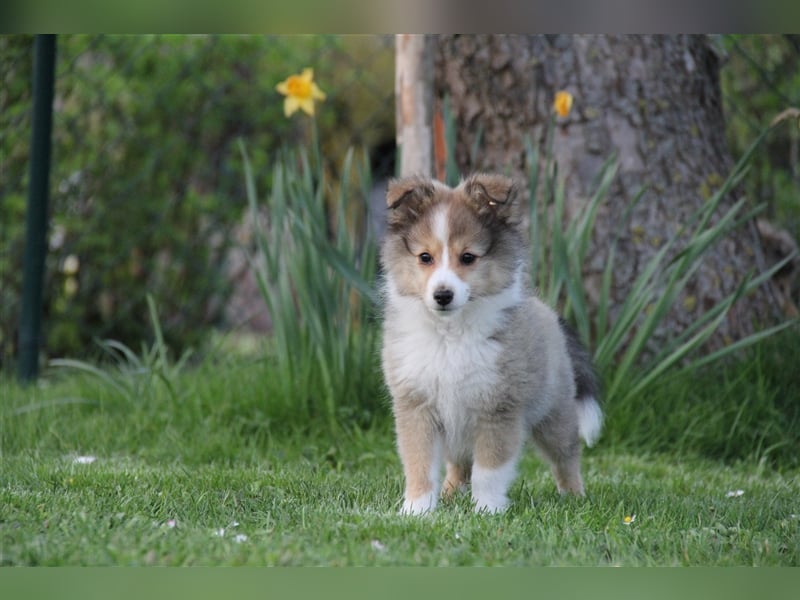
(307, 510)
(195, 469)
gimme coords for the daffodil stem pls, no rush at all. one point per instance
(316, 153)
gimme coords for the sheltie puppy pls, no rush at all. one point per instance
(475, 363)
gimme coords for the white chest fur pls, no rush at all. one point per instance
(449, 360)
(446, 359)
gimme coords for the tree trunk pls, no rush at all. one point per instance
(656, 101)
(414, 96)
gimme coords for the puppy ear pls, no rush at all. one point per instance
(492, 194)
(408, 190)
(406, 197)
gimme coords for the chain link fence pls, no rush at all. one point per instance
(147, 182)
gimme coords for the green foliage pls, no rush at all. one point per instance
(16, 65)
(146, 180)
(743, 410)
(557, 256)
(302, 510)
(132, 197)
(135, 377)
(216, 456)
(761, 79)
(316, 270)
(206, 466)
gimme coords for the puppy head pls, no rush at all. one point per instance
(448, 246)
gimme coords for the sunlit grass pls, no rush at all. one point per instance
(171, 470)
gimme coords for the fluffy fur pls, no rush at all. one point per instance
(475, 363)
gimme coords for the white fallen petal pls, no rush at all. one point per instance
(734, 493)
(84, 460)
(376, 545)
(239, 538)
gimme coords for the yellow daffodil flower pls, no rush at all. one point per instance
(300, 91)
(563, 103)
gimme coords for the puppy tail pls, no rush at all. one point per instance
(587, 386)
(590, 419)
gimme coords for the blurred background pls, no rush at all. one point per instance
(147, 183)
(147, 187)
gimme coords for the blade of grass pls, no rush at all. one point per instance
(102, 375)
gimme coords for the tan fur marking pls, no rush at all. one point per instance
(416, 433)
(457, 477)
(498, 442)
(421, 239)
(465, 235)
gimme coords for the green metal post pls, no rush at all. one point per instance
(30, 325)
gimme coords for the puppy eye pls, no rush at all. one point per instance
(468, 258)
(425, 258)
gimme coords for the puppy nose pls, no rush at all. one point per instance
(443, 297)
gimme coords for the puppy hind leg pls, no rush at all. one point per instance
(567, 473)
(559, 443)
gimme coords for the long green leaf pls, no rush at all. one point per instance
(97, 372)
(741, 344)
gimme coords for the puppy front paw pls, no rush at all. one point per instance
(492, 505)
(420, 505)
(489, 487)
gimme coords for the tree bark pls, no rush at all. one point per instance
(414, 96)
(656, 101)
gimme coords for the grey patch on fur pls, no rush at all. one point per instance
(587, 382)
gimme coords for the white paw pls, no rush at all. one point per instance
(489, 487)
(419, 506)
(491, 505)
